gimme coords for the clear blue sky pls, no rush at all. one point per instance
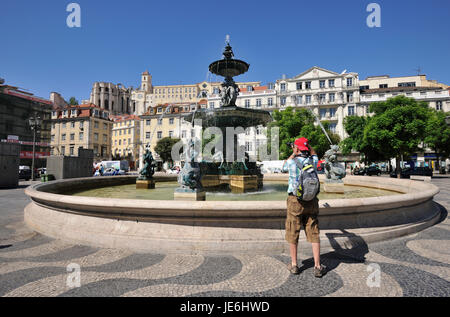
(177, 40)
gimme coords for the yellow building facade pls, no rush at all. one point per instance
(125, 141)
(85, 126)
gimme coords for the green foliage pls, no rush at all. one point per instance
(354, 126)
(294, 124)
(398, 126)
(73, 101)
(164, 148)
(438, 133)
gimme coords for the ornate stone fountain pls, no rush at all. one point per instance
(235, 168)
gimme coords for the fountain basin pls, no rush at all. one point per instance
(222, 227)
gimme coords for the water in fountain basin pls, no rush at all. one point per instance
(270, 191)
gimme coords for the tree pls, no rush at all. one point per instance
(73, 101)
(294, 124)
(397, 127)
(438, 134)
(355, 127)
(164, 148)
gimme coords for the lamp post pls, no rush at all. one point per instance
(35, 123)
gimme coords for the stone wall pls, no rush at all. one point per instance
(63, 167)
(9, 165)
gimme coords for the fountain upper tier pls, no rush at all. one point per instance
(231, 116)
(228, 67)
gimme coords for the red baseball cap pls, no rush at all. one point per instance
(302, 144)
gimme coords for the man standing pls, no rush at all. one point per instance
(302, 212)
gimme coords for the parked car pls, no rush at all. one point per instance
(407, 172)
(113, 172)
(24, 172)
(369, 171)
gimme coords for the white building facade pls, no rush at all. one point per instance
(331, 96)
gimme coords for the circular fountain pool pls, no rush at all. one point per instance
(222, 225)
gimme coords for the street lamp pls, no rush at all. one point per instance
(35, 123)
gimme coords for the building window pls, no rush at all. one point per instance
(349, 82)
(248, 146)
(160, 121)
(308, 99)
(332, 112)
(308, 85)
(323, 113)
(72, 136)
(299, 85)
(383, 85)
(409, 84)
(96, 124)
(270, 102)
(283, 101)
(332, 97)
(283, 87)
(258, 102)
(63, 150)
(351, 110)
(147, 122)
(332, 127)
(322, 83)
(247, 103)
(322, 98)
(147, 135)
(363, 87)
(439, 105)
(81, 136)
(105, 138)
(71, 149)
(183, 134)
(159, 135)
(171, 121)
(64, 125)
(159, 110)
(63, 137)
(331, 83)
(299, 100)
(105, 126)
(72, 124)
(211, 105)
(96, 137)
(170, 134)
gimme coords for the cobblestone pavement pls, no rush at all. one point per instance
(34, 265)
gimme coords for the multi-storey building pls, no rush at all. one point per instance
(85, 126)
(115, 99)
(148, 95)
(330, 95)
(167, 121)
(16, 108)
(385, 81)
(126, 139)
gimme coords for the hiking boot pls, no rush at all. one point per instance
(293, 269)
(319, 272)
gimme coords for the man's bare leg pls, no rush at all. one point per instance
(293, 251)
(316, 254)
